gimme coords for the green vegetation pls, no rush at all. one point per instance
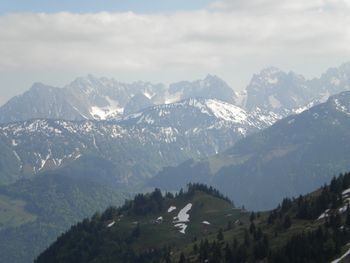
(143, 230)
(34, 212)
(13, 212)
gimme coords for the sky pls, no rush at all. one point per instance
(54, 41)
(90, 6)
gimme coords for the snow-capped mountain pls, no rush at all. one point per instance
(84, 98)
(138, 145)
(281, 93)
(208, 113)
(271, 95)
(276, 91)
(101, 98)
(296, 154)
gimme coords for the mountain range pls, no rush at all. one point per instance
(92, 98)
(132, 148)
(271, 93)
(283, 135)
(295, 155)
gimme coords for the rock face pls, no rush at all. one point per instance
(137, 103)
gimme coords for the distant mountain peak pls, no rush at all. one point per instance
(211, 77)
(268, 77)
(270, 70)
(271, 92)
(37, 86)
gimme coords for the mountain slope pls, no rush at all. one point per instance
(130, 149)
(35, 212)
(311, 228)
(142, 228)
(41, 101)
(294, 156)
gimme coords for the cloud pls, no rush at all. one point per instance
(224, 37)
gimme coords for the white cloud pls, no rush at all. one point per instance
(229, 36)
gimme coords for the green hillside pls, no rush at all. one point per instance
(144, 230)
(34, 212)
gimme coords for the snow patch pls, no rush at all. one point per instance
(323, 215)
(111, 224)
(172, 98)
(107, 112)
(148, 95)
(343, 209)
(169, 134)
(182, 218)
(341, 107)
(183, 215)
(171, 208)
(43, 162)
(182, 227)
(346, 192)
(226, 111)
(342, 257)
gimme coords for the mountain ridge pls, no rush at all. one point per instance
(285, 157)
(163, 135)
(271, 91)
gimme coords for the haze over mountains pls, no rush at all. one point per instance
(102, 98)
(162, 126)
(98, 132)
(270, 92)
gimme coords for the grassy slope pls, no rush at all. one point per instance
(204, 208)
(13, 212)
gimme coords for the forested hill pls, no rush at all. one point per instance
(201, 225)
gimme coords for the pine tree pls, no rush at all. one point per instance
(220, 235)
(287, 222)
(182, 258)
(347, 220)
(252, 228)
(252, 217)
(195, 248)
(136, 231)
